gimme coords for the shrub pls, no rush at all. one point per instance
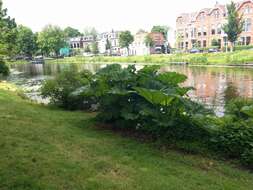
(4, 69)
(234, 137)
(64, 89)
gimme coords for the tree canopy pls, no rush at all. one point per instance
(125, 39)
(51, 39)
(233, 28)
(7, 32)
(71, 32)
(149, 41)
(26, 41)
(162, 29)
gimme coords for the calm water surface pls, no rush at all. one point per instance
(212, 84)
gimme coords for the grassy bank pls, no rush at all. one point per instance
(238, 57)
(234, 58)
(46, 148)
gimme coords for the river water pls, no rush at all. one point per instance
(212, 84)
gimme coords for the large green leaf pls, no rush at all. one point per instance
(155, 96)
(248, 110)
(172, 78)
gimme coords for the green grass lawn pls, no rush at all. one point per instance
(51, 149)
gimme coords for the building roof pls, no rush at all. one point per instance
(191, 17)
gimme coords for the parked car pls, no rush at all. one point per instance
(213, 50)
(195, 50)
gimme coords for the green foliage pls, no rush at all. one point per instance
(156, 104)
(70, 32)
(64, 89)
(161, 29)
(4, 69)
(234, 137)
(26, 41)
(87, 49)
(234, 26)
(144, 100)
(51, 39)
(94, 48)
(7, 32)
(125, 39)
(149, 41)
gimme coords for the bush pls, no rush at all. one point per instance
(4, 69)
(64, 89)
(239, 48)
(156, 104)
(234, 137)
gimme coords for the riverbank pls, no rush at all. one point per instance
(235, 58)
(47, 148)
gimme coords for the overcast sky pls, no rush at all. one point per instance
(102, 14)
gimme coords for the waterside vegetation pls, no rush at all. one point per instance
(156, 105)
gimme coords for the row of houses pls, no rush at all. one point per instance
(200, 29)
(138, 47)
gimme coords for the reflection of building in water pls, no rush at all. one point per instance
(211, 83)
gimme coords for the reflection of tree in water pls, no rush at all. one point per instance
(231, 92)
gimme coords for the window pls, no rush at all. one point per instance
(204, 43)
(216, 14)
(248, 39)
(219, 29)
(247, 9)
(247, 25)
(199, 44)
(213, 31)
(199, 32)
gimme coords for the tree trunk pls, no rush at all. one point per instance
(232, 47)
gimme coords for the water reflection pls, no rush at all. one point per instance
(214, 85)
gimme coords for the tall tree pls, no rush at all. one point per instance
(108, 46)
(234, 26)
(7, 32)
(149, 41)
(91, 31)
(26, 41)
(71, 32)
(51, 39)
(94, 48)
(7, 38)
(125, 39)
(162, 29)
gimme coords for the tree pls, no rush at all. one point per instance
(91, 31)
(149, 41)
(94, 48)
(26, 41)
(7, 32)
(161, 29)
(108, 46)
(125, 39)
(71, 32)
(51, 40)
(7, 38)
(87, 49)
(234, 26)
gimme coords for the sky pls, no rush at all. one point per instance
(104, 15)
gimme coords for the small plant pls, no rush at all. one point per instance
(4, 69)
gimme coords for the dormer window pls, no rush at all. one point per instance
(247, 9)
(216, 14)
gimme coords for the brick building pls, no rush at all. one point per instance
(200, 29)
